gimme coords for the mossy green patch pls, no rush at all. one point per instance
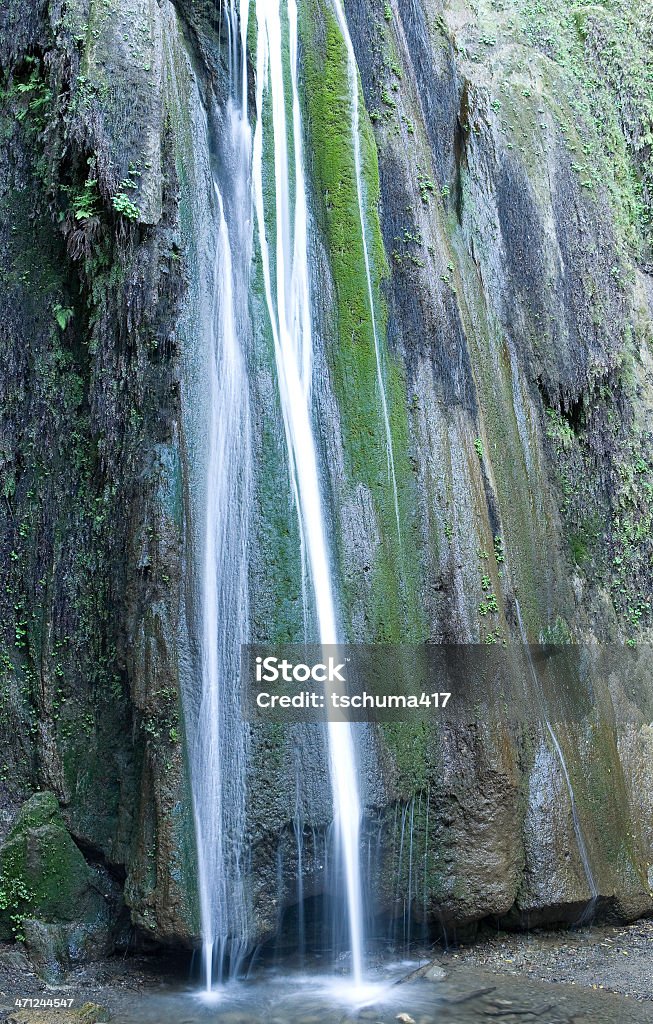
(42, 872)
(355, 355)
(593, 61)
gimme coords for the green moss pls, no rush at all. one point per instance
(329, 128)
(275, 571)
(352, 355)
(623, 563)
(593, 55)
(409, 742)
(41, 870)
(39, 810)
(579, 548)
(514, 558)
(600, 793)
(252, 32)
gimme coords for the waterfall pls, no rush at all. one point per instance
(218, 739)
(285, 265)
(261, 180)
(352, 74)
(219, 794)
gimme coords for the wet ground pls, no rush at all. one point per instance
(597, 976)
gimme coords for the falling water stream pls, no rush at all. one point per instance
(266, 178)
(286, 278)
(219, 793)
(218, 744)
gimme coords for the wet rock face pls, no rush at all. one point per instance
(91, 534)
(515, 303)
(40, 855)
(513, 320)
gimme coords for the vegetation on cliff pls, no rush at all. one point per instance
(508, 193)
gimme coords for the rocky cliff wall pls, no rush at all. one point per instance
(506, 159)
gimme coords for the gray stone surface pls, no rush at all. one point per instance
(518, 300)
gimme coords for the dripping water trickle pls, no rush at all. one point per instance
(588, 913)
(352, 75)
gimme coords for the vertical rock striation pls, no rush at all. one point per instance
(506, 153)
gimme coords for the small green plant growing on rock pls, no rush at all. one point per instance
(559, 430)
(121, 202)
(387, 12)
(85, 202)
(495, 637)
(37, 93)
(426, 187)
(14, 894)
(488, 605)
(387, 99)
(123, 205)
(478, 447)
(62, 314)
(499, 553)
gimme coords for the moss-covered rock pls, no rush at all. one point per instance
(43, 873)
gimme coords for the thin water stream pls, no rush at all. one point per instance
(578, 830)
(286, 275)
(352, 74)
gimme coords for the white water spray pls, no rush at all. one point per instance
(218, 739)
(352, 74)
(287, 293)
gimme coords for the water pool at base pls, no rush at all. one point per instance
(390, 994)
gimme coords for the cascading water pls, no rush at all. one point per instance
(280, 173)
(218, 739)
(267, 179)
(352, 74)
